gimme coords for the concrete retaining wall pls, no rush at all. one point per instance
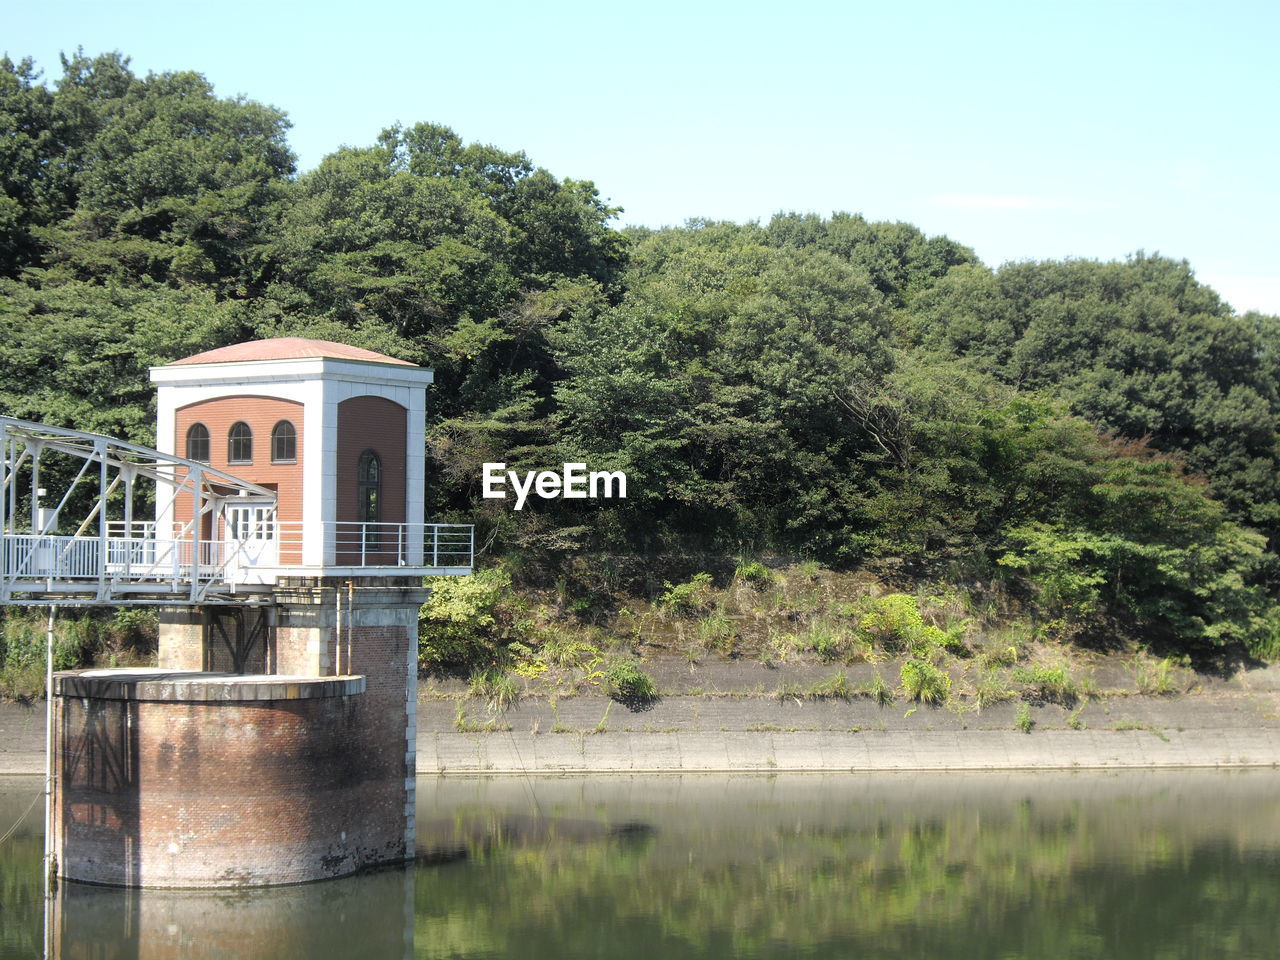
(731, 751)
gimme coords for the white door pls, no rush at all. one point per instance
(251, 540)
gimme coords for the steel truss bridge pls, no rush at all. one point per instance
(57, 551)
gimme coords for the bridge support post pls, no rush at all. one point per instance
(180, 645)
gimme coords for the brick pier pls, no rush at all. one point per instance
(185, 777)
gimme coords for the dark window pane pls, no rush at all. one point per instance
(240, 444)
(284, 443)
(369, 494)
(198, 443)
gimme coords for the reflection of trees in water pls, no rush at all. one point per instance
(473, 835)
(1049, 877)
(961, 885)
(21, 889)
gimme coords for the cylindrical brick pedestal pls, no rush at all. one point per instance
(174, 777)
(202, 780)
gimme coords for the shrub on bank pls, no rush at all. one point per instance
(685, 599)
(754, 573)
(894, 620)
(1048, 683)
(1022, 720)
(627, 683)
(496, 686)
(925, 683)
(460, 624)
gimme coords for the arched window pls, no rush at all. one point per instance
(284, 443)
(198, 443)
(369, 488)
(240, 443)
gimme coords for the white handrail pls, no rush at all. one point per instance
(111, 564)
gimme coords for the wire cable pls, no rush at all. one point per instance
(17, 823)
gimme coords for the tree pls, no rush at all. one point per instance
(158, 178)
(29, 146)
(712, 382)
(1138, 348)
(898, 258)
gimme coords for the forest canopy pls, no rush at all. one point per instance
(851, 391)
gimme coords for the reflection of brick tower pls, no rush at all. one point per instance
(284, 749)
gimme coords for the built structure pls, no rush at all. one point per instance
(275, 742)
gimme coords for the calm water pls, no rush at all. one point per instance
(973, 866)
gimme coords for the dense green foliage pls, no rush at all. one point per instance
(459, 623)
(1100, 435)
(124, 637)
(1138, 348)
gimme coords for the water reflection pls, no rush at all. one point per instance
(367, 916)
(963, 866)
(1167, 865)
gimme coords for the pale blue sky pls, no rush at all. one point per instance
(1025, 130)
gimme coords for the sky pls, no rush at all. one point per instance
(1023, 130)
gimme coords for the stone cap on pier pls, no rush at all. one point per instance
(184, 686)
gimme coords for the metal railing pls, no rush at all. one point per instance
(363, 545)
(346, 543)
(399, 544)
(57, 558)
(132, 556)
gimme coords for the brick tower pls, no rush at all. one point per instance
(276, 741)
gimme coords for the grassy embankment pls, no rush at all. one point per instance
(109, 638)
(486, 644)
(823, 635)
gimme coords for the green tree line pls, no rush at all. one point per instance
(1102, 435)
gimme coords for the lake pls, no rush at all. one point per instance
(1159, 864)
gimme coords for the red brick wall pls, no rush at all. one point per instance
(171, 794)
(229, 793)
(380, 425)
(261, 414)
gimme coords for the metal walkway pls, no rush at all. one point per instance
(66, 549)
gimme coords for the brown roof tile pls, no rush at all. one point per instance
(288, 348)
